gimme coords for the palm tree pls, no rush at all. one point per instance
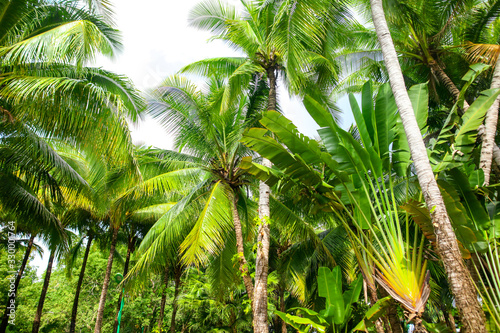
(57, 248)
(31, 172)
(277, 39)
(134, 231)
(40, 82)
(461, 284)
(90, 230)
(481, 45)
(212, 168)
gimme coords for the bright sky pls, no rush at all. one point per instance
(157, 43)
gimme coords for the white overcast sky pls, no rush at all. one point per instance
(158, 42)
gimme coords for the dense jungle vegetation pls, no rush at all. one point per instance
(248, 225)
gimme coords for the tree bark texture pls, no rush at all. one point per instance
(372, 294)
(243, 265)
(392, 314)
(262, 259)
(448, 83)
(489, 149)
(471, 314)
(5, 318)
(105, 285)
(41, 301)
(259, 308)
(490, 124)
(163, 299)
(130, 249)
(177, 281)
(74, 311)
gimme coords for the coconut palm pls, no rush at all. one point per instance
(57, 249)
(31, 172)
(275, 40)
(89, 231)
(482, 45)
(40, 82)
(460, 282)
(200, 226)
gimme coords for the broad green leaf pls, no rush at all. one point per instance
(472, 119)
(376, 311)
(385, 119)
(419, 96)
(320, 115)
(360, 122)
(330, 287)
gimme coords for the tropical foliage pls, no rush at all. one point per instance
(248, 225)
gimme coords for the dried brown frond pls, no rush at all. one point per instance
(485, 53)
(6, 114)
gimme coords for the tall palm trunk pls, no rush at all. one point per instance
(105, 285)
(489, 150)
(177, 283)
(391, 314)
(471, 314)
(263, 237)
(74, 311)
(490, 129)
(441, 75)
(243, 265)
(372, 293)
(41, 301)
(12, 295)
(163, 299)
(281, 296)
(130, 249)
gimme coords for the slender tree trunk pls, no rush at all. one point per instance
(12, 295)
(392, 314)
(74, 311)
(450, 321)
(105, 285)
(281, 295)
(130, 249)
(163, 299)
(471, 314)
(372, 293)
(490, 129)
(489, 149)
(177, 281)
(419, 327)
(46, 280)
(260, 324)
(243, 265)
(447, 82)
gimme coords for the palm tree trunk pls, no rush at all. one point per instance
(243, 265)
(489, 149)
(177, 282)
(130, 245)
(263, 237)
(471, 314)
(447, 82)
(74, 311)
(281, 295)
(450, 321)
(392, 314)
(46, 280)
(419, 327)
(105, 285)
(372, 293)
(490, 129)
(163, 299)
(12, 295)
